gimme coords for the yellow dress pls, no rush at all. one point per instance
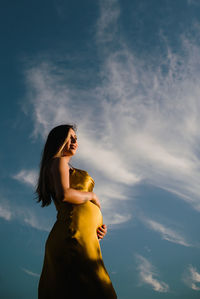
(73, 266)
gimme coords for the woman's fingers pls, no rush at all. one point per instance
(101, 234)
(101, 231)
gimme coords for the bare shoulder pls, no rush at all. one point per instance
(60, 176)
(59, 164)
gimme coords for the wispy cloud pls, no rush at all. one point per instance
(29, 216)
(51, 97)
(193, 2)
(139, 123)
(192, 278)
(106, 161)
(159, 122)
(5, 211)
(166, 233)
(148, 275)
(34, 219)
(26, 176)
(30, 272)
(108, 21)
(111, 218)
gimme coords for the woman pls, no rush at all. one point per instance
(73, 265)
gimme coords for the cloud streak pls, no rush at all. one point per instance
(5, 211)
(106, 28)
(30, 272)
(148, 275)
(28, 177)
(29, 216)
(166, 233)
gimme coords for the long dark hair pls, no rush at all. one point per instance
(54, 145)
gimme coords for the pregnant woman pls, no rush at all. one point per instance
(73, 265)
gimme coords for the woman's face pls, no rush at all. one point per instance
(71, 145)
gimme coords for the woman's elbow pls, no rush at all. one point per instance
(66, 195)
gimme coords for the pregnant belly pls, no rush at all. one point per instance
(86, 219)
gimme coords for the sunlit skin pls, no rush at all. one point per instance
(68, 151)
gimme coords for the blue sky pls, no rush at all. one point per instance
(127, 73)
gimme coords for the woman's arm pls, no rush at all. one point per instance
(60, 174)
(76, 196)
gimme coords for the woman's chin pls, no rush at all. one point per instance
(73, 151)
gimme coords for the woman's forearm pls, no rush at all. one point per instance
(76, 197)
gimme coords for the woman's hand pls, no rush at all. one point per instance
(101, 231)
(95, 200)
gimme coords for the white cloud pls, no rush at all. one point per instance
(108, 20)
(166, 233)
(159, 121)
(148, 275)
(30, 216)
(5, 211)
(116, 218)
(26, 176)
(192, 278)
(30, 272)
(106, 160)
(140, 123)
(34, 220)
(100, 156)
(112, 197)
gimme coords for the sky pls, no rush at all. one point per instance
(127, 74)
